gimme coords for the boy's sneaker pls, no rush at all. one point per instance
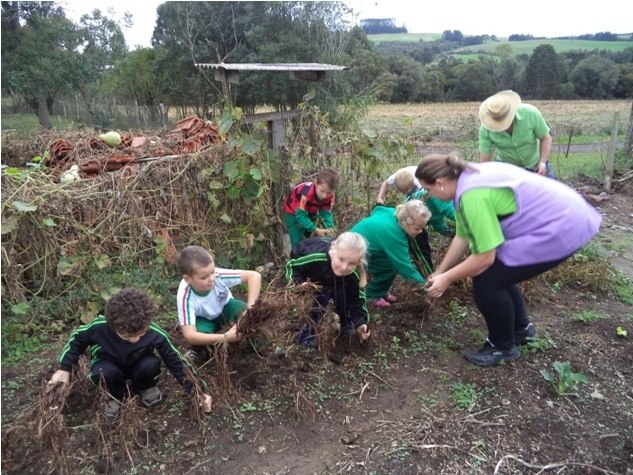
(152, 396)
(488, 355)
(380, 303)
(523, 337)
(111, 408)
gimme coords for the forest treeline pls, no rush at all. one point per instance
(86, 71)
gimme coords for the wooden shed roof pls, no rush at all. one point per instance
(272, 66)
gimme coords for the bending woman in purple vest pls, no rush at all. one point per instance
(514, 225)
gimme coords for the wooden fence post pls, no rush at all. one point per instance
(608, 178)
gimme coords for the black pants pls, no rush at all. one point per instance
(143, 374)
(321, 301)
(500, 300)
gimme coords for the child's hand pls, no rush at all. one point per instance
(231, 336)
(205, 403)
(363, 332)
(59, 376)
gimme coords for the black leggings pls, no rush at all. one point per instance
(500, 300)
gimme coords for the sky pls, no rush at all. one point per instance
(549, 18)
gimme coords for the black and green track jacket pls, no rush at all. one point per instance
(105, 344)
(310, 261)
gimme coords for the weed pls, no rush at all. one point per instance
(541, 344)
(395, 345)
(564, 381)
(416, 345)
(459, 313)
(248, 407)
(238, 429)
(429, 400)
(382, 359)
(465, 395)
(623, 288)
(588, 316)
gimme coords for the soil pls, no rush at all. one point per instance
(405, 403)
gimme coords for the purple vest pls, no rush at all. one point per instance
(552, 221)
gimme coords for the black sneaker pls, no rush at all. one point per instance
(307, 338)
(523, 337)
(488, 355)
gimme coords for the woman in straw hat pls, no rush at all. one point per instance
(517, 131)
(501, 225)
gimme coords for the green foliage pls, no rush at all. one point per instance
(588, 316)
(564, 381)
(465, 395)
(595, 77)
(623, 288)
(542, 344)
(459, 313)
(544, 73)
(28, 324)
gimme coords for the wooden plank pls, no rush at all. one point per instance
(271, 116)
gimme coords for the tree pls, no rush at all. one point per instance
(507, 74)
(474, 82)
(39, 56)
(595, 77)
(544, 73)
(101, 45)
(433, 84)
(624, 88)
(408, 86)
(256, 32)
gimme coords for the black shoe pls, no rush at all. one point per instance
(307, 338)
(523, 337)
(348, 331)
(488, 355)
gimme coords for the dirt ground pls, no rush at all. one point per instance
(406, 403)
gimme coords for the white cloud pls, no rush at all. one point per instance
(548, 18)
(143, 16)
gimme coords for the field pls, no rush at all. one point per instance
(518, 47)
(406, 402)
(560, 46)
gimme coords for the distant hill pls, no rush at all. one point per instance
(404, 37)
(560, 46)
(518, 47)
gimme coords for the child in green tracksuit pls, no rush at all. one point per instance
(442, 212)
(387, 231)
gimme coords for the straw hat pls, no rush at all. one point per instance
(497, 112)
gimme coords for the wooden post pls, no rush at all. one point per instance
(276, 139)
(629, 136)
(276, 128)
(611, 155)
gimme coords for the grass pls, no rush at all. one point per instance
(588, 316)
(560, 46)
(25, 124)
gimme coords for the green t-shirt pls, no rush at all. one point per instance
(478, 218)
(522, 148)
